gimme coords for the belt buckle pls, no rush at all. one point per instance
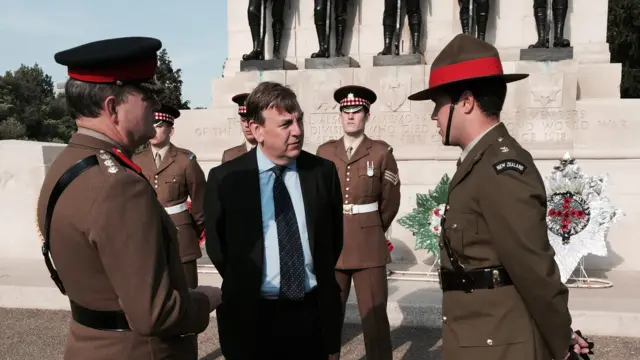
(347, 209)
(495, 278)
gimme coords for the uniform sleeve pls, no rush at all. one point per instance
(337, 216)
(214, 223)
(128, 229)
(390, 196)
(514, 207)
(196, 184)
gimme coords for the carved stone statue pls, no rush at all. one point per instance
(257, 14)
(481, 13)
(322, 20)
(391, 25)
(559, 10)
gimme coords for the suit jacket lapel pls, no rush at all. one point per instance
(308, 185)
(248, 181)
(341, 152)
(169, 158)
(145, 159)
(361, 151)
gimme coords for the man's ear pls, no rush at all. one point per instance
(467, 102)
(256, 130)
(110, 108)
(171, 130)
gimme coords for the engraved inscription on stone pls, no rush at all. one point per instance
(394, 92)
(546, 90)
(232, 129)
(319, 93)
(398, 129)
(550, 125)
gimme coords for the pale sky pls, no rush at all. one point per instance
(194, 32)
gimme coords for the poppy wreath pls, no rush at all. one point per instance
(578, 214)
(424, 220)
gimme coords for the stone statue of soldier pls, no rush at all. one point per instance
(391, 25)
(256, 10)
(559, 10)
(481, 12)
(322, 20)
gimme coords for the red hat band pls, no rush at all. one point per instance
(141, 69)
(164, 117)
(354, 101)
(242, 109)
(470, 69)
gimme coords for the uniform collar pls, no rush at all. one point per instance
(264, 164)
(475, 141)
(104, 142)
(354, 144)
(162, 152)
(248, 145)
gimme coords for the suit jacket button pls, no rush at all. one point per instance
(489, 342)
(454, 226)
(444, 319)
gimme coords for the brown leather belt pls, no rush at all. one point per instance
(476, 279)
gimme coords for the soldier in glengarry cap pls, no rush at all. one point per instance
(249, 140)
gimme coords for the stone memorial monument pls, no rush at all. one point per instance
(543, 12)
(572, 105)
(391, 21)
(322, 59)
(474, 15)
(257, 15)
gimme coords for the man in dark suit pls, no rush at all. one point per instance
(273, 219)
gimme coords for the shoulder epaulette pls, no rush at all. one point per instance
(505, 158)
(109, 163)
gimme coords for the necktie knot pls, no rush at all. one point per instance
(278, 170)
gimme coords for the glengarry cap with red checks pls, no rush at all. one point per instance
(240, 99)
(121, 61)
(464, 58)
(352, 98)
(166, 114)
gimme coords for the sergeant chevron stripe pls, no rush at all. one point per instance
(391, 177)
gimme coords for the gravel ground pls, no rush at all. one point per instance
(40, 334)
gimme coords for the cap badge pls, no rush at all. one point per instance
(350, 96)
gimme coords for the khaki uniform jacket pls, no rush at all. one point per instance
(115, 248)
(496, 216)
(178, 177)
(234, 152)
(364, 234)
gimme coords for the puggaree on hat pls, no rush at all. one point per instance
(122, 61)
(353, 97)
(464, 58)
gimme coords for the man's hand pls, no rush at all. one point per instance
(213, 293)
(579, 345)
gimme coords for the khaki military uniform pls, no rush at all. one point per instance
(495, 217)
(236, 151)
(368, 178)
(178, 177)
(115, 248)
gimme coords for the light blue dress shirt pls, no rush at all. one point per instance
(271, 268)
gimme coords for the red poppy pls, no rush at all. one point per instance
(390, 246)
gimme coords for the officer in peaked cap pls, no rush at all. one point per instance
(176, 175)
(249, 141)
(107, 243)
(503, 297)
(371, 199)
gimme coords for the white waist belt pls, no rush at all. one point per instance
(352, 209)
(176, 209)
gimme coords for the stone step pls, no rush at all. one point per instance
(612, 311)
